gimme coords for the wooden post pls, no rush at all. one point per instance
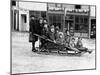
(47, 14)
(64, 21)
(89, 24)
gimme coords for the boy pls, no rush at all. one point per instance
(79, 46)
(73, 46)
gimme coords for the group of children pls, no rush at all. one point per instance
(65, 39)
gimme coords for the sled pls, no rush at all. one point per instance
(51, 46)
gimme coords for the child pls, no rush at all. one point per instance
(79, 45)
(73, 46)
(56, 32)
(45, 31)
(45, 34)
(51, 39)
(67, 38)
(60, 39)
(52, 33)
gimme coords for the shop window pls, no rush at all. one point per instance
(81, 23)
(77, 19)
(13, 3)
(71, 17)
(77, 27)
(77, 6)
(81, 19)
(43, 14)
(93, 28)
(56, 19)
(86, 20)
(24, 18)
(37, 14)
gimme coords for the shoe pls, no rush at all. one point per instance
(33, 50)
(89, 52)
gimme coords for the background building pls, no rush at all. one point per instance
(14, 15)
(21, 15)
(79, 20)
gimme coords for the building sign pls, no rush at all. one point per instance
(81, 34)
(77, 11)
(33, 6)
(55, 7)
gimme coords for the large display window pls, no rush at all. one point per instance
(57, 20)
(81, 24)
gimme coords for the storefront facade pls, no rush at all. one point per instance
(26, 9)
(77, 19)
(14, 16)
(74, 18)
(55, 14)
(93, 21)
(21, 12)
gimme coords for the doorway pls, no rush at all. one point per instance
(14, 21)
(23, 22)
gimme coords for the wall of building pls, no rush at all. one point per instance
(71, 6)
(93, 11)
(25, 26)
(33, 6)
(14, 18)
(25, 8)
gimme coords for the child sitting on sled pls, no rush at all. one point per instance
(60, 39)
(79, 46)
(52, 33)
(45, 34)
(72, 45)
(67, 37)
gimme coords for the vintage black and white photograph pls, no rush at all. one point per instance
(52, 37)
